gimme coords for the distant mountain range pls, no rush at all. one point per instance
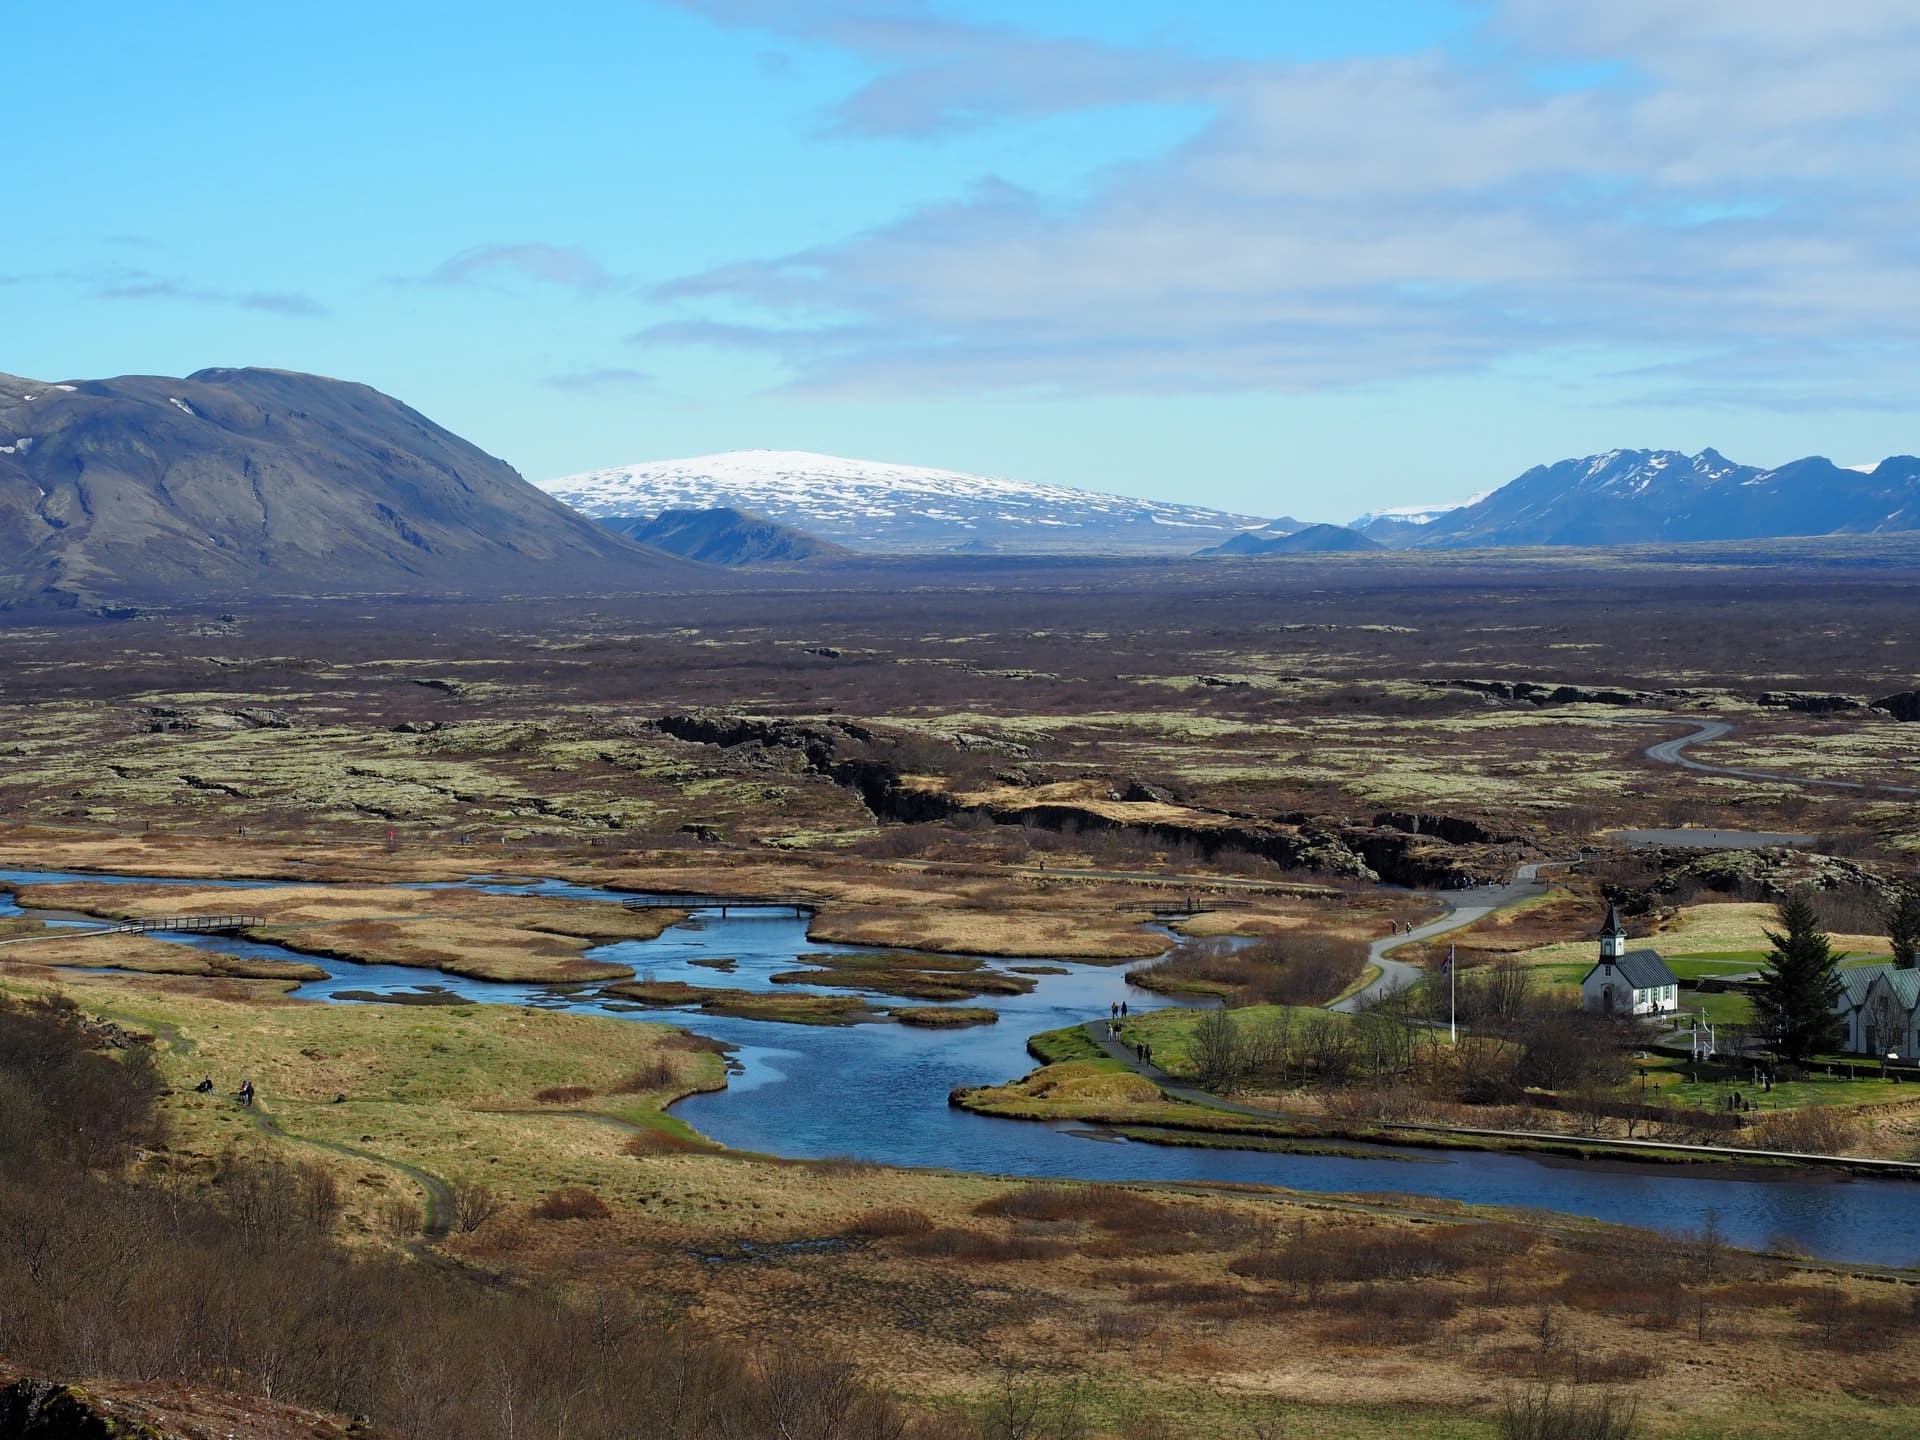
(872, 506)
(726, 537)
(256, 482)
(1301, 540)
(236, 482)
(1633, 497)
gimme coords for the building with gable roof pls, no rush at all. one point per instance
(1881, 1008)
(1627, 982)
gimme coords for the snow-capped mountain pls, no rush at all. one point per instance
(873, 506)
(1413, 514)
(1628, 497)
(1399, 525)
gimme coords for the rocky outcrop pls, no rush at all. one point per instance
(1533, 692)
(1454, 829)
(1808, 704)
(1904, 706)
(1766, 874)
(818, 741)
(1402, 849)
(41, 1410)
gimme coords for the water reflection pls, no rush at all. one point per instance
(879, 1092)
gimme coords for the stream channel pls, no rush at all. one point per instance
(879, 1092)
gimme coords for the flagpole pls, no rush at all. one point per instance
(1453, 1036)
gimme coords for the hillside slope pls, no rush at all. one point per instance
(1308, 540)
(265, 481)
(726, 537)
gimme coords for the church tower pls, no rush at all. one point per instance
(1613, 936)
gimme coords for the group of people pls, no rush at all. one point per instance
(244, 1094)
(1116, 1012)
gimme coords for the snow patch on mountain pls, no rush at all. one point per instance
(1414, 514)
(878, 506)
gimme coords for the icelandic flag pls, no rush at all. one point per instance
(1446, 965)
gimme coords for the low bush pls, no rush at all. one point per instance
(658, 1074)
(987, 1249)
(565, 1094)
(643, 1144)
(891, 1222)
(571, 1202)
(1810, 1130)
(1312, 1260)
(1554, 1412)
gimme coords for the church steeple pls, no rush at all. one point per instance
(1613, 935)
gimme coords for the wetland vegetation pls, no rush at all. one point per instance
(1007, 759)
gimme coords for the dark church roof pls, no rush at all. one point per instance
(1642, 969)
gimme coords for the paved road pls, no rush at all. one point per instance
(1471, 906)
(1671, 752)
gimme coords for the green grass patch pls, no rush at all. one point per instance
(1695, 967)
(944, 1017)
(1054, 1047)
(1728, 1008)
(1671, 1087)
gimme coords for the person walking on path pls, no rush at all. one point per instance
(246, 1093)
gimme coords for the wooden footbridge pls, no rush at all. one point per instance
(1186, 907)
(797, 904)
(187, 925)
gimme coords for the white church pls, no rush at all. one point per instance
(1627, 982)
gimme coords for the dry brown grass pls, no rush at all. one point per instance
(485, 937)
(144, 955)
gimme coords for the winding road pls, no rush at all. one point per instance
(1672, 752)
(1397, 975)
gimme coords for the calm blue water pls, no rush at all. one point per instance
(879, 1092)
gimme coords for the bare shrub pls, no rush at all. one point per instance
(271, 1199)
(891, 1222)
(1312, 1259)
(1550, 1412)
(474, 1204)
(564, 1094)
(970, 1245)
(397, 1218)
(1393, 1314)
(1810, 1130)
(659, 1073)
(1185, 1292)
(1377, 1104)
(571, 1202)
(1305, 968)
(643, 1144)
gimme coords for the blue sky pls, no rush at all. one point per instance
(1282, 257)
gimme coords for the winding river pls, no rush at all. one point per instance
(879, 1092)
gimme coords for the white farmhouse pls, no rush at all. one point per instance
(1627, 982)
(1881, 1008)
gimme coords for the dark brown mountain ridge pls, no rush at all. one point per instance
(253, 481)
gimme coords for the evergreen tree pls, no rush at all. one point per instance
(1799, 985)
(1901, 915)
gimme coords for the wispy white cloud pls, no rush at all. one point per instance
(593, 381)
(550, 264)
(1734, 177)
(133, 284)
